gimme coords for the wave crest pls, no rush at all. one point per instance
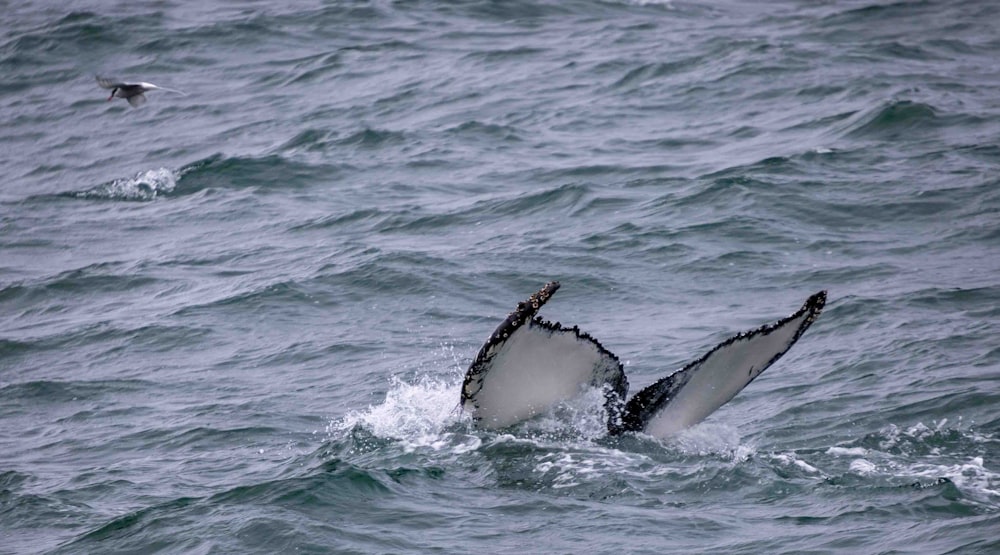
(143, 186)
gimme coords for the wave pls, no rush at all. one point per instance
(497, 207)
(274, 514)
(57, 391)
(265, 172)
(74, 32)
(566, 450)
(894, 119)
(370, 138)
(473, 129)
(143, 186)
(99, 336)
(104, 277)
(387, 459)
(922, 455)
(213, 172)
(568, 446)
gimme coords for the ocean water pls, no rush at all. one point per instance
(237, 321)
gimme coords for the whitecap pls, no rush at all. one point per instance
(790, 459)
(863, 467)
(145, 185)
(849, 451)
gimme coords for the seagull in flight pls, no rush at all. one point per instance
(133, 92)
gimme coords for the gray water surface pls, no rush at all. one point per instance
(237, 321)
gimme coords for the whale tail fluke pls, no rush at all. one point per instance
(528, 365)
(689, 395)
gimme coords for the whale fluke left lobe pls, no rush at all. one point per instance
(528, 365)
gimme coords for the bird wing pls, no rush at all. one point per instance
(137, 100)
(182, 93)
(108, 83)
(150, 87)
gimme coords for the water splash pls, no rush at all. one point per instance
(416, 413)
(143, 186)
(565, 450)
(713, 439)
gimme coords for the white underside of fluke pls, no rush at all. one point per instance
(535, 369)
(725, 372)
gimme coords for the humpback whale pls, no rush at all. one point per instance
(528, 365)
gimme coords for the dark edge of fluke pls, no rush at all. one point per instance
(645, 404)
(525, 310)
(614, 393)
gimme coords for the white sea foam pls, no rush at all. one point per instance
(900, 457)
(712, 438)
(566, 465)
(665, 3)
(423, 415)
(569, 468)
(806, 466)
(971, 476)
(145, 185)
(848, 451)
(791, 459)
(417, 413)
(894, 435)
(582, 416)
(863, 467)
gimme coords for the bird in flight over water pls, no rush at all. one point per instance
(133, 92)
